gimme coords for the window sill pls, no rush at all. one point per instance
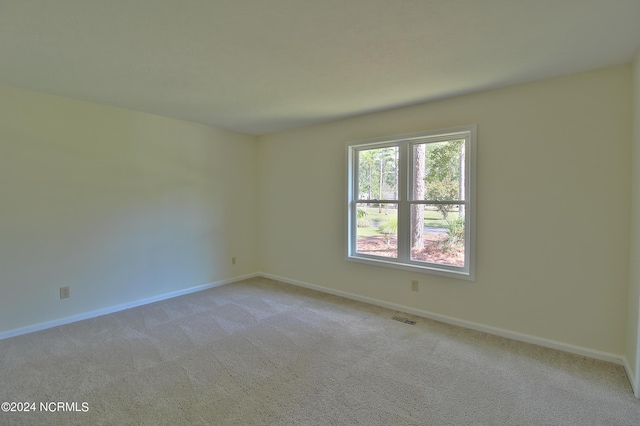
(431, 268)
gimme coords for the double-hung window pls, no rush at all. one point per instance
(411, 202)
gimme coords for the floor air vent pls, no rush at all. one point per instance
(404, 320)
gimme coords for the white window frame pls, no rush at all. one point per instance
(405, 144)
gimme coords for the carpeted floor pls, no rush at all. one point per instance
(263, 352)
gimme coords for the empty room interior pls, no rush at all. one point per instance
(328, 212)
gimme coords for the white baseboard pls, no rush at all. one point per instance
(112, 309)
(630, 375)
(553, 344)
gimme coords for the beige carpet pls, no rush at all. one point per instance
(263, 352)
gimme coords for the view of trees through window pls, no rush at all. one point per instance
(435, 194)
(377, 232)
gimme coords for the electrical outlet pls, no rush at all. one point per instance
(414, 285)
(233, 260)
(64, 292)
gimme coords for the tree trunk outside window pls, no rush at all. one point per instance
(417, 219)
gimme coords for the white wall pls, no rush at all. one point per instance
(118, 205)
(633, 322)
(554, 175)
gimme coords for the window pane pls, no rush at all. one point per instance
(378, 174)
(438, 233)
(438, 171)
(377, 229)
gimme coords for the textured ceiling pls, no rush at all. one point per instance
(260, 66)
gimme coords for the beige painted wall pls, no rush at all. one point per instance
(554, 175)
(118, 205)
(633, 322)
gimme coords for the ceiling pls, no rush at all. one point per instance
(261, 66)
